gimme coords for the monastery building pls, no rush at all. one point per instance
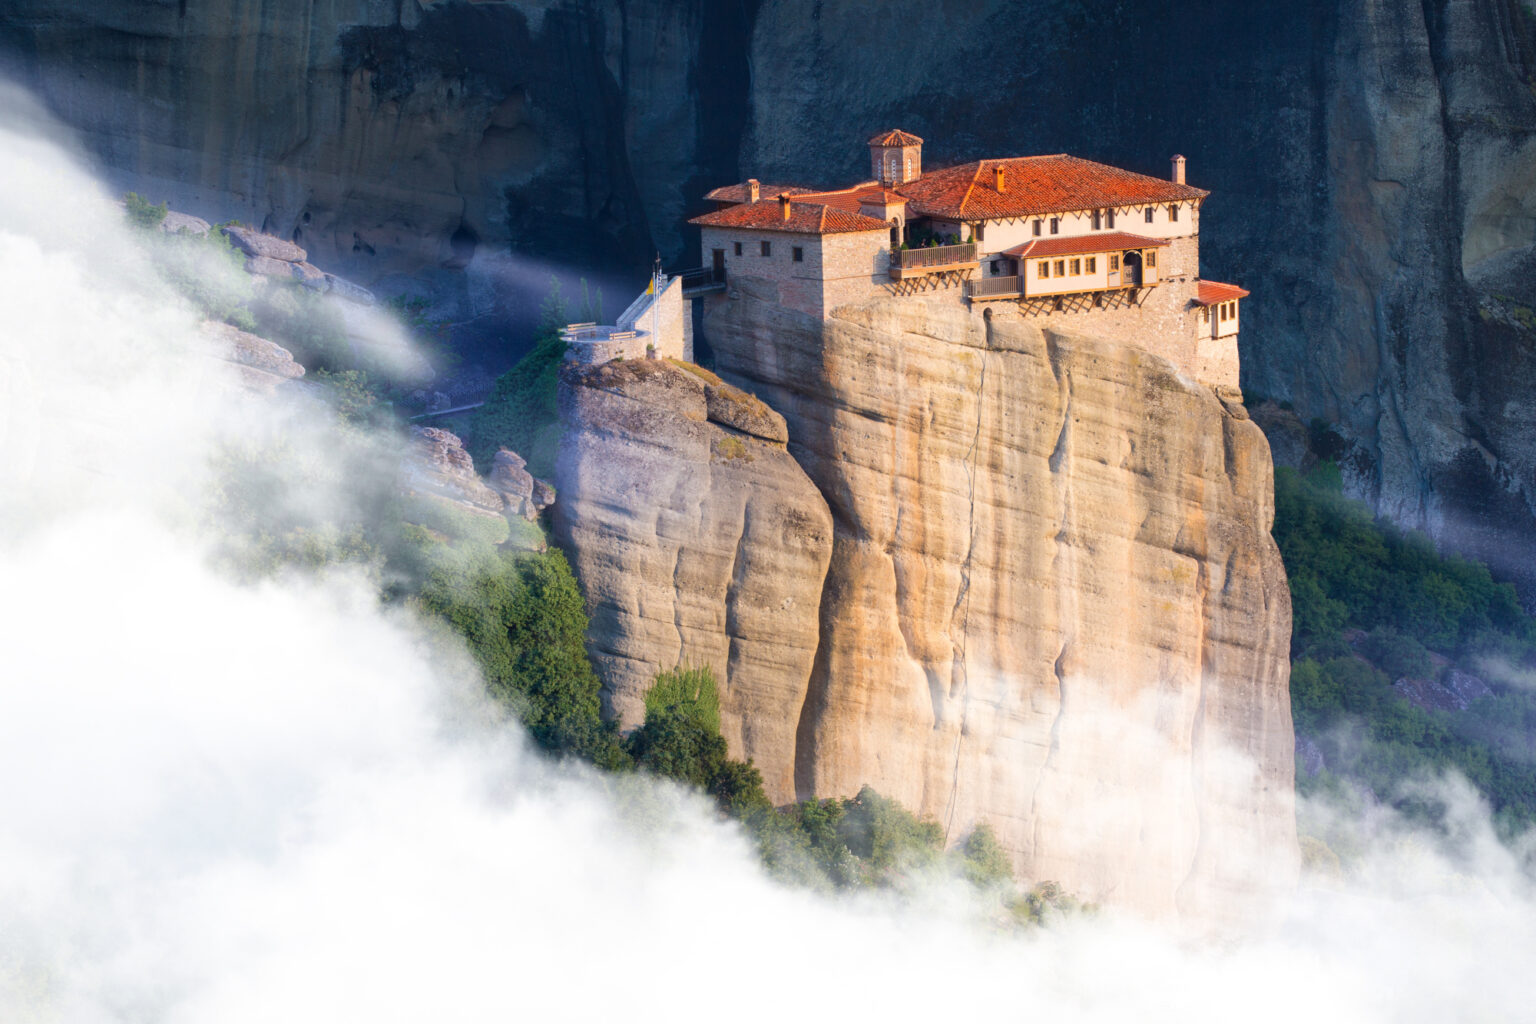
(1068, 241)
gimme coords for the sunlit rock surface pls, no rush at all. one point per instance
(697, 544)
(1053, 603)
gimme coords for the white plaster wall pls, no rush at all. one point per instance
(998, 235)
(667, 326)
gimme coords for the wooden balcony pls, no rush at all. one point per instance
(980, 289)
(933, 259)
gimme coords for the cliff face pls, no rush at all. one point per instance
(1040, 591)
(1371, 163)
(477, 145)
(1053, 602)
(698, 541)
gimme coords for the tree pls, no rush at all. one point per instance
(680, 739)
(525, 622)
(983, 861)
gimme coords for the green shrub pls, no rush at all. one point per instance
(449, 520)
(522, 411)
(680, 739)
(144, 214)
(524, 620)
(1397, 655)
(886, 836)
(691, 692)
(1349, 571)
(983, 860)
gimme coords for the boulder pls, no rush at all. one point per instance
(311, 277)
(344, 289)
(266, 266)
(438, 464)
(733, 407)
(264, 365)
(184, 223)
(254, 243)
(695, 545)
(523, 493)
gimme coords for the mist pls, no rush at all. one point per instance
(283, 800)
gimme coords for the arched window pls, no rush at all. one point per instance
(891, 165)
(907, 173)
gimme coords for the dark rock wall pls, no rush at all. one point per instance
(1372, 164)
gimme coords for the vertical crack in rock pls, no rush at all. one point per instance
(963, 599)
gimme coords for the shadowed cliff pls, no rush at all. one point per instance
(1371, 165)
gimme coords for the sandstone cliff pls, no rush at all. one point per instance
(1052, 602)
(698, 541)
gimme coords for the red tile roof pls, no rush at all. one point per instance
(804, 218)
(1036, 184)
(1109, 241)
(895, 137)
(867, 194)
(738, 193)
(1212, 293)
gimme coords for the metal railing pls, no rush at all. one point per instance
(701, 277)
(993, 286)
(934, 256)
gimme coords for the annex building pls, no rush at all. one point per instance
(1058, 238)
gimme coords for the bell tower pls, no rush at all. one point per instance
(895, 157)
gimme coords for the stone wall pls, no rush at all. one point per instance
(663, 320)
(857, 267)
(834, 269)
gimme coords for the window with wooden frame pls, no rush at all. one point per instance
(1149, 214)
(1110, 217)
(767, 248)
(1093, 264)
(1077, 267)
(1173, 212)
(1114, 262)
(1038, 225)
(1061, 268)
(1043, 269)
(1205, 314)
(1151, 259)
(797, 254)
(1055, 225)
(1098, 219)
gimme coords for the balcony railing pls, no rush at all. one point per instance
(933, 256)
(701, 279)
(993, 288)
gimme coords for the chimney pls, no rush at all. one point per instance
(784, 206)
(1178, 170)
(997, 177)
(754, 187)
